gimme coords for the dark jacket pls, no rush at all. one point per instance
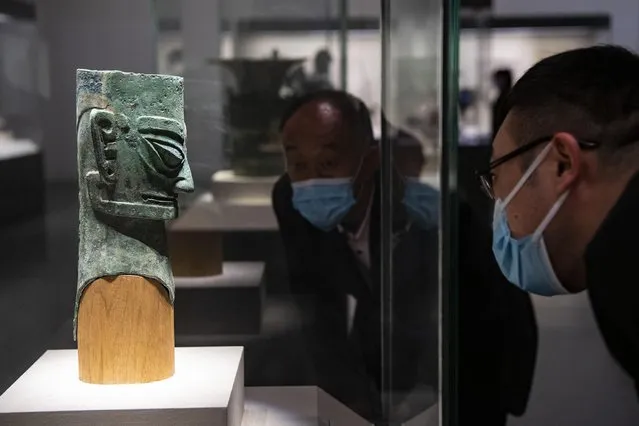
(611, 279)
(497, 326)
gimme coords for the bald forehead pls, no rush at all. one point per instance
(315, 115)
(318, 124)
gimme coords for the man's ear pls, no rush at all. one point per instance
(567, 156)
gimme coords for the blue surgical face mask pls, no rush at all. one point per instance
(422, 203)
(324, 202)
(524, 261)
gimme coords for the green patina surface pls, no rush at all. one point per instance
(131, 165)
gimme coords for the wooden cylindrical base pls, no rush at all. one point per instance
(125, 331)
(195, 253)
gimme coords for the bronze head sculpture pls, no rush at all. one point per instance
(131, 166)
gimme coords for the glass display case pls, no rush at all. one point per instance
(384, 361)
(414, 119)
(287, 309)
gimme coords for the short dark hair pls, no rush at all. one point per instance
(352, 109)
(592, 93)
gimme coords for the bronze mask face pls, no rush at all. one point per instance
(138, 140)
(141, 166)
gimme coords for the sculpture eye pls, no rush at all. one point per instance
(167, 152)
(172, 156)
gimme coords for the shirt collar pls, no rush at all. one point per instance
(365, 223)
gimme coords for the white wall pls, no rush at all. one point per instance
(94, 34)
(624, 14)
(516, 49)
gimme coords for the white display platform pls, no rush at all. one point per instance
(205, 214)
(296, 406)
(206, 390)
(229, 188)
(14, 148)
(234, 275)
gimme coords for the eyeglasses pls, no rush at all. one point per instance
(486, 176)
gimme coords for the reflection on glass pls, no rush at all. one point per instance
(327, 207)
(254, 107)
(411, 304)
(297, 191)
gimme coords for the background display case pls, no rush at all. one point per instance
(20, 130)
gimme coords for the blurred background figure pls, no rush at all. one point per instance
(175, 62)
(503, 82)
(320, 79)
(469, 129)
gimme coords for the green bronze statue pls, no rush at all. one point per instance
(132, 164)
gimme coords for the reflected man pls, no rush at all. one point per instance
(328, 206)
(328, 210)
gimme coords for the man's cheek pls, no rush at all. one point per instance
(517, 223)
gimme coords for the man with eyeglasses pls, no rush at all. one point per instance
(564, 179)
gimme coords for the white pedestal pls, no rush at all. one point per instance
(206, 390)
(234, 275)
(13, 148)
(296, 406)
(228, 188)
(208, 214)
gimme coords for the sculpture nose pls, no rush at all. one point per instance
(185, 180)
(184, 185)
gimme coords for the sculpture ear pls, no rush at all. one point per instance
(104, 134)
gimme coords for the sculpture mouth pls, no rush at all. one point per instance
(159, 199)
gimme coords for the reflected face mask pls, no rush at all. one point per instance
(324, 202)
(525, 261)
(422, 203)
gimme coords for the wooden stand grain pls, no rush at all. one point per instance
(195, 253)
(125, 331)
